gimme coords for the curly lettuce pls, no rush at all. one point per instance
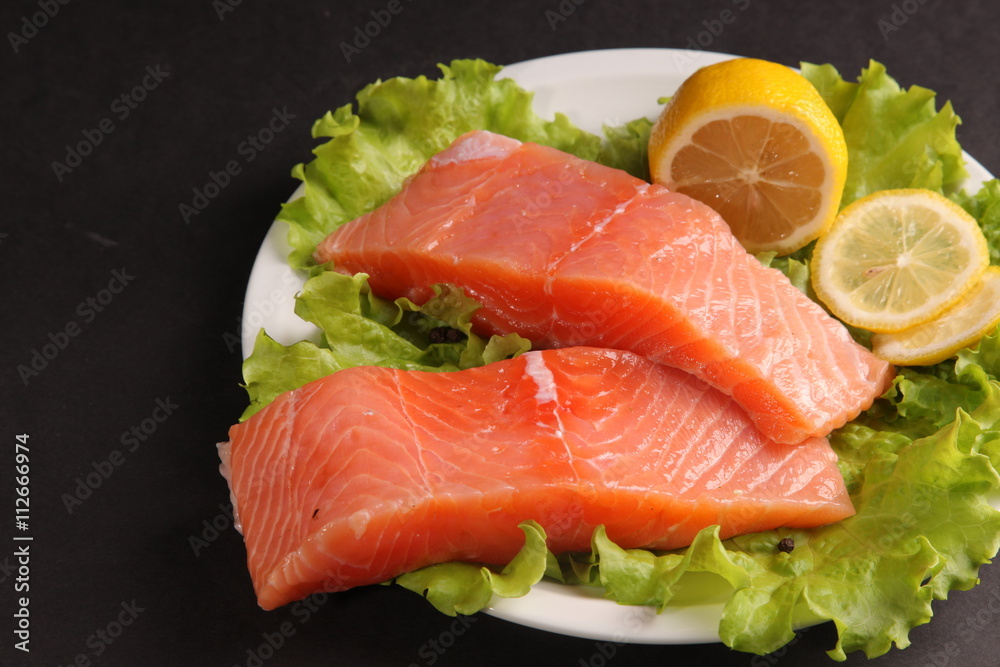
(361, 329)
(895, 138)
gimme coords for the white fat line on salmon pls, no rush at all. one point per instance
(479, 147)
(601, 224)
(535, 368)
(541, 374)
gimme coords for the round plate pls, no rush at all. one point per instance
(593, 88)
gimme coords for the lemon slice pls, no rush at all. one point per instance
(898, 258)
(755, 141)
(976, 315)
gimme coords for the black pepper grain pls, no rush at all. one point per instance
(445, 335)
(786, 545)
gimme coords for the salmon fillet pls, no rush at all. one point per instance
(373, 472)
(568, 252)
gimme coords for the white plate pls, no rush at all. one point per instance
(593, 88)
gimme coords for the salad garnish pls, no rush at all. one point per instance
(921, 465)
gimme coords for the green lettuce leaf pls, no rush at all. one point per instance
(984, 356)
(923, 527)
(895, 138)
(464, 588)
(273, 369)
(358, 329)
(640, 577)
(984, 206)
(626, 147)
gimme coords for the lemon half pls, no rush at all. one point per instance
(755, 141)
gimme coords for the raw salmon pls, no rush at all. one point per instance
(568, 252)
(372, 472)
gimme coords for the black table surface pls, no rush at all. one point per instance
(136, 308)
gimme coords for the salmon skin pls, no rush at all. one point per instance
(372, 472)
(568, 252)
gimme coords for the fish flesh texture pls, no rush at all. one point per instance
(373, 472)
(567, 252)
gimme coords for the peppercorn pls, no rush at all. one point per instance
(445, 335)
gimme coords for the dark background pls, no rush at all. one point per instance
(126, 550)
